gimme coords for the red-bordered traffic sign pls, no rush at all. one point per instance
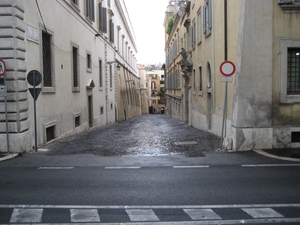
(2, 68)
(227, 68)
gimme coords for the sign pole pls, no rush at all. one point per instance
(34, 78)
(227, 69)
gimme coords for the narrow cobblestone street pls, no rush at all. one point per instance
(152, 134)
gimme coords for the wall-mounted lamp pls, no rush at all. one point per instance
(97, 35)
(111, 62)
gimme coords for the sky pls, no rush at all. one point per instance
(147, 18)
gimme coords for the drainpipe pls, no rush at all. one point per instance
(223, 135)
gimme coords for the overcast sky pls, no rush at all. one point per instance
(147, 18)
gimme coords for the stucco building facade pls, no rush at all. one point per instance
(85, 51)
(262, 39)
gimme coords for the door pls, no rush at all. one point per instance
(90, 110)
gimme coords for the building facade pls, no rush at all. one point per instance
(262, 39)
(84, 51)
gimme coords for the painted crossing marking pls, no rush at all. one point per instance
(55, 168)
(258, 213)
(121, 167)
(144, 215)
(190, 167)
(269, 165)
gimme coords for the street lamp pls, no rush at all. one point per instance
(111, 62)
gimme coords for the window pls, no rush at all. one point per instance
(194, 79)
(199, 26)
(293, 71)
(101, 110)
(75, 68)
(47, 61)
(89, 62)
(111, 31)
(110, 77)
(193, 34)
(102, 19)
(289, 70)
(207, 17)
(90, 13)
(108, 3)
(77, 121)
(50, 133)
(100, 75)
(290, 6)
(200, 81)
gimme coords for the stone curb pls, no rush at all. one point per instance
(276, 156)
(9, 156)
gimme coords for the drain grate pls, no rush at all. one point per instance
(185, 143)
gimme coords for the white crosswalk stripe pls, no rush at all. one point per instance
(140, 215)
(202, 214)
(26, 216)
(84, 215)
(262, 213)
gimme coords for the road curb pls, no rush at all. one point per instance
(9, 156)
(276, 156)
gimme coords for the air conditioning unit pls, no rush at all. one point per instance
(283, 2)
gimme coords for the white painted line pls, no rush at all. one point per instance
(269, 165)
(151, 206)
(55, 168)
(190, 167)
(120, 167)
(26, 216)
(258, 213)
(84, 215)
(139, 215)
(202, 214)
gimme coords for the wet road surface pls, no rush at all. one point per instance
(145, 135)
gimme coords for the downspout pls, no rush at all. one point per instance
(225, 31)
(223, 135)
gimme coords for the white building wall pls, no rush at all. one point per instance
(59, 105)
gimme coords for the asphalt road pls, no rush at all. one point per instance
(70, 185)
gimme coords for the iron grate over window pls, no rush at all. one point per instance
(75, 68)
(46, 39)
(50, 133)
(293, 71)
(77, 121)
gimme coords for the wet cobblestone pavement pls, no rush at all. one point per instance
(151, 134)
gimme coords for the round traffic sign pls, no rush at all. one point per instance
(34, 78)
(2, 68)
(227, 68)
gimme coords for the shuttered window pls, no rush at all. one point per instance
(90, 11)
(102, 19)
(47, 62)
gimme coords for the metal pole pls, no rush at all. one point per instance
(34, 105)
(224, 117)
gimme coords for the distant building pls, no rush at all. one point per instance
(86, 53)
(155, 83)
(262, 39)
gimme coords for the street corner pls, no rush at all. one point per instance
(7, 156)
(289, 154)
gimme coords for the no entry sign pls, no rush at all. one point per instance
(227, 68)
(2, 68)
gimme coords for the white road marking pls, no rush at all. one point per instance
(258, 213)
(150, 206)
(269, 165)
(121, 167)
(202, 214)
(26, 216)
(139, 215)
(190, 167)
(84, 215)
(55, 168)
